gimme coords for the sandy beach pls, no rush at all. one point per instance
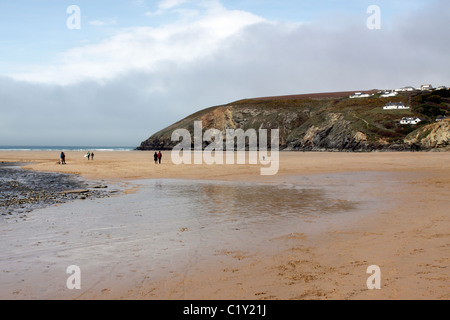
(406, 235)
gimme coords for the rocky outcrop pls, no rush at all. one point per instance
(238, 116)
(334, 133)
(433, 136)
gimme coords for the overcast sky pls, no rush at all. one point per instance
(123, 69)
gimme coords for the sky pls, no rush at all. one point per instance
(114, 72)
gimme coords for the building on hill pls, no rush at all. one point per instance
(388, 94)
(426, 87)
(440, 118)
(395, 106)
(360, 95)
(405, 89)
(406, 120)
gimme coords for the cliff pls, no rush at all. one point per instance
(433, 136)
(328, 122)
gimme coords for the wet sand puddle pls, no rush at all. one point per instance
(168, 227)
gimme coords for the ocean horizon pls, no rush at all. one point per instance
(66, 148)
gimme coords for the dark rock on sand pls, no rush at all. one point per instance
(22, 191)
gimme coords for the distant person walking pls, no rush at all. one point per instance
(88, 155)
(159, 157)
(63, 158)
(92, 155)
(155, 157)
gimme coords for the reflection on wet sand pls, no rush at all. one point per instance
(164, 228)
(257, 202)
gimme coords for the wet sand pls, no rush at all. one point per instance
(406, 235)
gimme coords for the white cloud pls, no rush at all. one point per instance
(144, 48)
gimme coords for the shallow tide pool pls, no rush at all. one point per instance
(171, 226)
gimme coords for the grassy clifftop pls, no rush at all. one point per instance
(324, 121)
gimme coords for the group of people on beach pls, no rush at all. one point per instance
(157, 157)
(90, 155)
(62, 157)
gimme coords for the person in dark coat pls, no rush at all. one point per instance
(155, 157)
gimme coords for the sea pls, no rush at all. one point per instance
(66, 148)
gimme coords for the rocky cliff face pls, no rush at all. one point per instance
(317, 124)
(334, 133)
(433, 136)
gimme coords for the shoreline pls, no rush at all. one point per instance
(410, 241)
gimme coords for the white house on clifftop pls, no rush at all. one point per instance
(410, 120)
(426, 87)
(395, 106)
(389, 94)
(360, 95)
